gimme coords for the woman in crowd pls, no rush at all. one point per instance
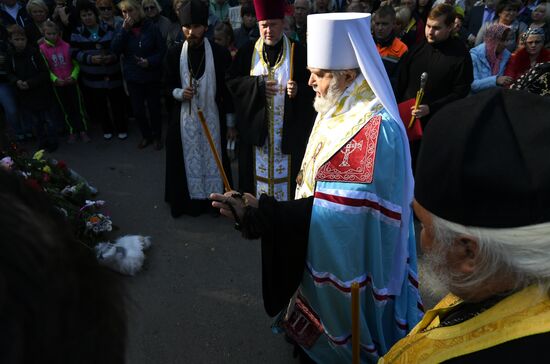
(38, 13)
(506, 13)
(65, 16)
(490, 58)
(100, 72)
(249, 27)
(107, 17)
(402, 19)
(414, 31)
(528, 56)
(152, 10)
(141, 43)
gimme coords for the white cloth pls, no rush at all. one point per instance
(201, 170)
(272, 167)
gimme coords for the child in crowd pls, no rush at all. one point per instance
(64, 73)
(29, 74)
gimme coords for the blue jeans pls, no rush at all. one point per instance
(8, 103)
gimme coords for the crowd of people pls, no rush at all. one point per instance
(313, 99)
(104, 70)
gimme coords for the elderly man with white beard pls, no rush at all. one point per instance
(482, 194)
(351, 222)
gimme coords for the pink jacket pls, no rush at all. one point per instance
(58, 56)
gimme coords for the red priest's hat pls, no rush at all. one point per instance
(269, 9)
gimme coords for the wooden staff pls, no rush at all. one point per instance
(355, 336)
(214, 151)
(292, 61)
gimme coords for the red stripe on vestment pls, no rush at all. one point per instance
(345, 289)
(402, 326)
(413, 281)
(340, 342)
(356, 202)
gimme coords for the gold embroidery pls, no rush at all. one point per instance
(331, 132)
(525, 313)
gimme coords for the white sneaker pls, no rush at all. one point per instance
(122, 136)
(107, 136)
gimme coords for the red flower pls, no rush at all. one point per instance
(46, 177)
(32, 183)
(62, 165)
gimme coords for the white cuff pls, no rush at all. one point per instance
(177, 93)
(231, 120)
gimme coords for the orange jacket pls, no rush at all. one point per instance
(393, 52)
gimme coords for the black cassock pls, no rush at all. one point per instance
(176, 190)
(250, 107)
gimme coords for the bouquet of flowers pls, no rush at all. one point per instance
(70, 193)
(73, 196)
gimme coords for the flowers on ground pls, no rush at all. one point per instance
(71, 194)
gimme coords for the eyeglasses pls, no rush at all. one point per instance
(149, 8)
(105, 8)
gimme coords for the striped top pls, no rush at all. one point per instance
(85, 44)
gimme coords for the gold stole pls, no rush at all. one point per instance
(522, 314)
(271, 166)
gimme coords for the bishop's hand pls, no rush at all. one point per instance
(239, 204)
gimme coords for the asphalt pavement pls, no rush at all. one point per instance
(198, 299)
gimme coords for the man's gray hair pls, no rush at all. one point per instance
(521, 254)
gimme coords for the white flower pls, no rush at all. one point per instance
(6, 162)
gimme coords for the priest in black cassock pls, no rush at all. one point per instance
(274, 110)
(195, 76)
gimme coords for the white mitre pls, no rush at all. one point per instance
(341, 41)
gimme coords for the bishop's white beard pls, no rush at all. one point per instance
(434, 273)
(323, 104)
